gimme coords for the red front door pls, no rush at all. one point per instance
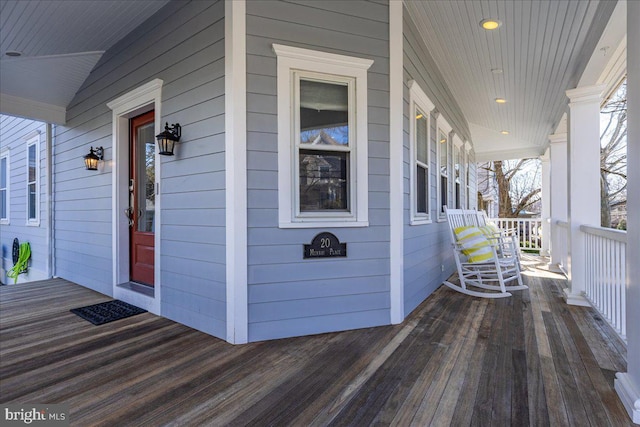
(142, 199)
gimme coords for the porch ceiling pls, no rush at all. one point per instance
(60, 42)
(541, 50)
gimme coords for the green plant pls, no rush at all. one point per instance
(20, 266)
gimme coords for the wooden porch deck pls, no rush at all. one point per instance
(457, 360)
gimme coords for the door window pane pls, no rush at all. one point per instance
(146, 178)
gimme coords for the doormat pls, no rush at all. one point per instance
(106, 312)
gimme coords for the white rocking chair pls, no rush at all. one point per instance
(508, 240)
(490, 271)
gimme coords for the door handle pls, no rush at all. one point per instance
(129, 214)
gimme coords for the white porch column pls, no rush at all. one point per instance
(559, 190)
(584, 181)
(546, 203)
(396, 163)
(628, 384)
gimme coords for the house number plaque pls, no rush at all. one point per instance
(325, 245)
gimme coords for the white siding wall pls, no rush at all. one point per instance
(183, 44)
(13, 132)
(428, 259)
(289, 295)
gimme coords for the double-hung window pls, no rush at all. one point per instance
(420, 151)
(443, 165)
(322, 138)
(4, 186)
(457, 172)
(324, 144)
(33, 180)
(467, 167)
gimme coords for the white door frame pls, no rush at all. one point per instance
(133, 103)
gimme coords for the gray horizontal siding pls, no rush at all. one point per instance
(183, 44)
(428, 259)
(290, 296)
(13, 131)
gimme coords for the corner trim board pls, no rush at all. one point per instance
(396, 162)
(236, 171)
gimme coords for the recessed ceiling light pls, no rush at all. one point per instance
(496, 70)
(13, 53)
(419, 116)
(504, 132)
(501, 101)
(490, 24)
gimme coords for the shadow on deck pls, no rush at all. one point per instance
(456, 360)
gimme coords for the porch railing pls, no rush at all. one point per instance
(606, 274)
(562, 241)
(529, 231)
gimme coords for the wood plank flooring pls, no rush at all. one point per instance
(456, 360)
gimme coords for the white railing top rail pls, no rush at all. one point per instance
(499, 218)
(608, 233)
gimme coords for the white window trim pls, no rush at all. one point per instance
(418, 99)
(292, 59)
(6, 154)
(457, 146)
(33, 139)
(442, 124)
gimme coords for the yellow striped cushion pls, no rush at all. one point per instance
(489, 230)
(474, 243)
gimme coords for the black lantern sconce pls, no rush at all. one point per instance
(167, 139)
(91, 159)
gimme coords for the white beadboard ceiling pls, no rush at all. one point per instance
(542, 48)
(60, 41)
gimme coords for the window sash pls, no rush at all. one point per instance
(344, 192)
(422, 189)
(443, 163)
(4, 187)
(33, 180)
(320, 186)
(422, 163)
(444, 199)
(457, 171)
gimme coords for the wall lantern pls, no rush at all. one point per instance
(168, 139)
(91, 159)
